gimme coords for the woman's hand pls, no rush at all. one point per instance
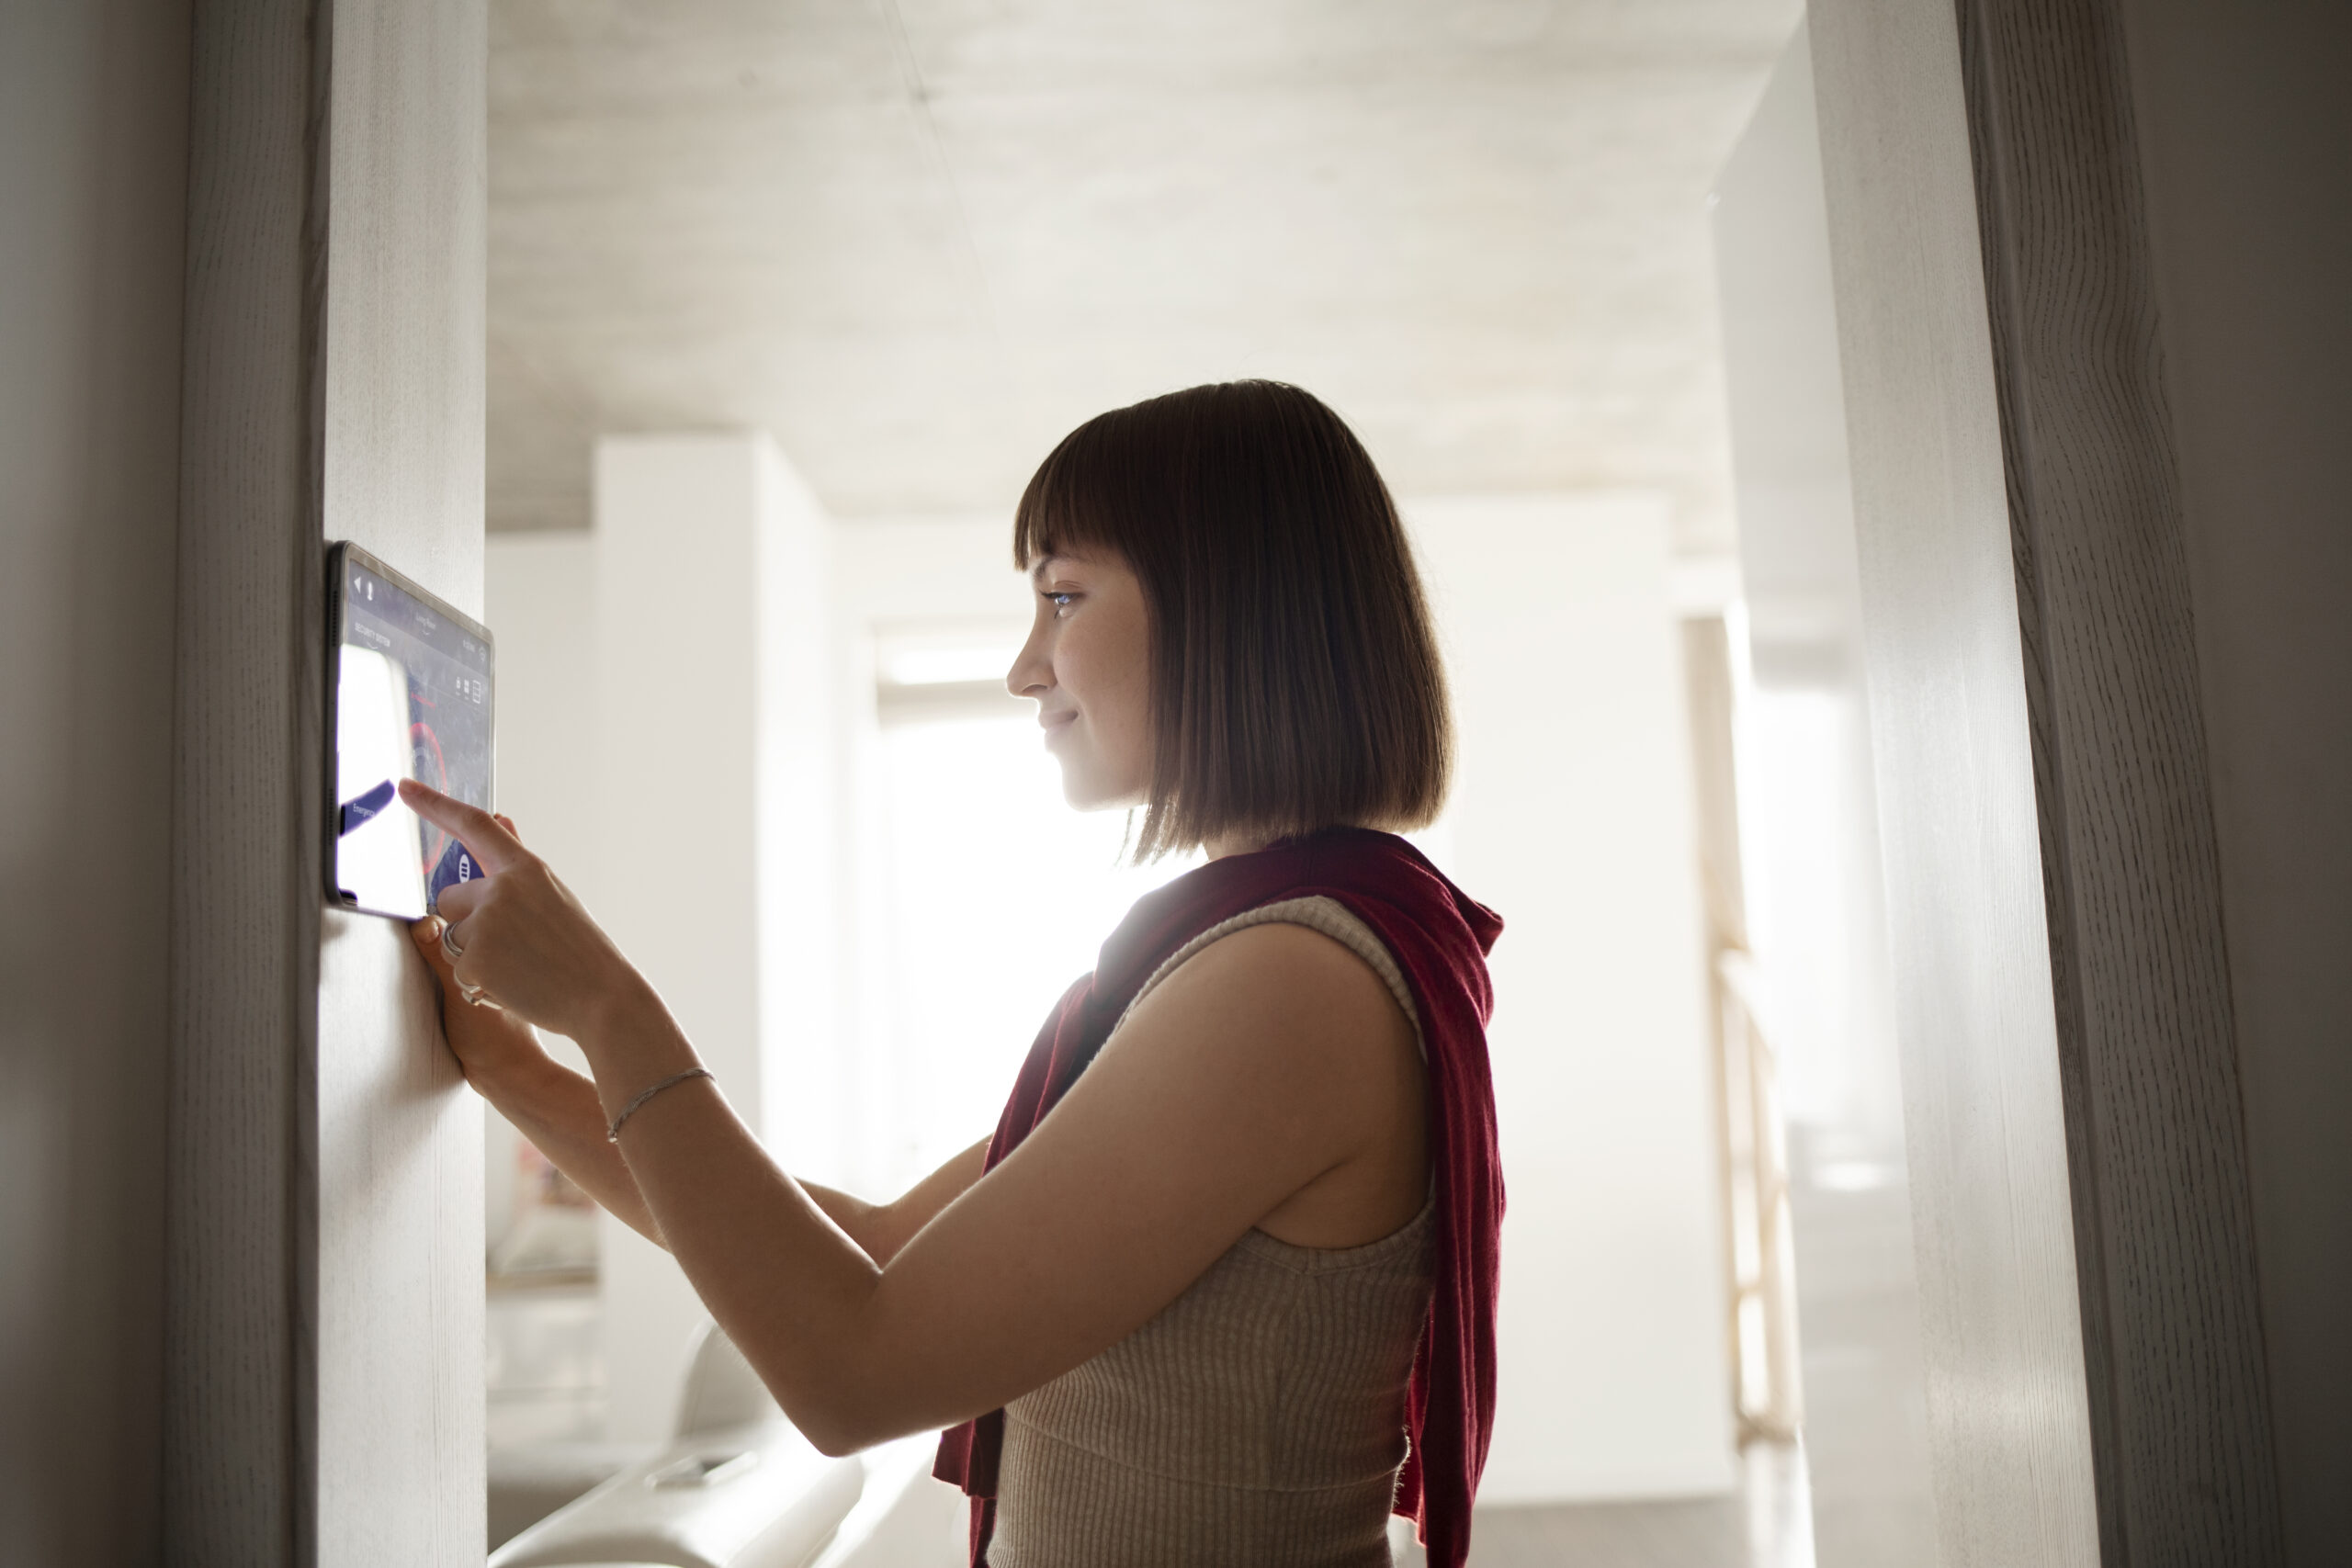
(493, 1045)
(494, 1048)
(519, 934)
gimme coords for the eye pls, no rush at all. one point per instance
(1060, 600)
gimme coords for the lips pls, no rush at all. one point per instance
(1057, 725)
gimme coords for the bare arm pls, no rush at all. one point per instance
(880, 1230)
(1268, 1068)
(558, 1109)
(553, 1106)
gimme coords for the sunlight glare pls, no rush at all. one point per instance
(1000, 895)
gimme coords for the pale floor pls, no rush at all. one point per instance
(1766, 1524)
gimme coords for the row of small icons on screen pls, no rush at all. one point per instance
(365, 588)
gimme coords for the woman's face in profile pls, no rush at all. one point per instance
(1088, 664)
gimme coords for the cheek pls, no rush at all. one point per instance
(1132, 710)
(1111, 678)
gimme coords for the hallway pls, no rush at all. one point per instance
(1871, 471)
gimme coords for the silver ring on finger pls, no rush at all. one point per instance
(474, 995)
(449, 942)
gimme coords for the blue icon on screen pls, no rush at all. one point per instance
(364, 808)
(458, 865)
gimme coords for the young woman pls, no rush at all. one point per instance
(1220, 1288)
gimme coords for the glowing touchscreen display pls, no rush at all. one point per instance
(412, 700)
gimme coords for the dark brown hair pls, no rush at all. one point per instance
(1294, 679)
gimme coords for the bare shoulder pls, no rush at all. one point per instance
(1288, 984)
(1297, 1026)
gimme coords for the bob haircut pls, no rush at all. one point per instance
(1296, 683)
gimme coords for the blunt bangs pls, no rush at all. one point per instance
(1296, 683)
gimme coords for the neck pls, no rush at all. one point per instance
(1235, 844)
(1247, 841)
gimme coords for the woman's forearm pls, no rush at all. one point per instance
(784, 1279)
(788, 1271)
(558, 1109)
(880, 1229)
(568, 979)
(790, 1287)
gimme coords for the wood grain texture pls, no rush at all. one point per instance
(325, 1336)
(2164, 1229)
(2245, 155)
(398, 1240)
(1984, 1108)
(245, 885)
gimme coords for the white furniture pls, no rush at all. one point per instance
(736, 1486)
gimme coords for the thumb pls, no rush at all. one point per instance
(427, 934)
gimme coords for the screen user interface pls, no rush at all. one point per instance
(412, 701)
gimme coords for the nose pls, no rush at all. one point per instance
(1032, 674)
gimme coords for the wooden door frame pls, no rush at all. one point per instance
(2096, 1386)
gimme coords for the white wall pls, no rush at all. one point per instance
(1572, 816)
(665, 739)
(539, 598)
(686, 530)
(941, 572)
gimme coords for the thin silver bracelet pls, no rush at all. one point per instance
(613, 1132)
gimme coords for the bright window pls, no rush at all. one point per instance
(999, 896)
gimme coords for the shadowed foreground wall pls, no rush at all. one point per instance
(2246, 145)
(92, 149)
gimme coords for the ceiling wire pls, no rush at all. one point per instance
(918, 91)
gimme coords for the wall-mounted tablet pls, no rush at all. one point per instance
(408, 697)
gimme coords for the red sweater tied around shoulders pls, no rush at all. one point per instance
(1440, 937)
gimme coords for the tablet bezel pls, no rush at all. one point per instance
(340, 554)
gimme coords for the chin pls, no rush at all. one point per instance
(1085, 792)
(1081, 799)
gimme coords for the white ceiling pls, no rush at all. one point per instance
(921, 239)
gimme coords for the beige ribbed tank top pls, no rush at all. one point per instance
(1258, 1419)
